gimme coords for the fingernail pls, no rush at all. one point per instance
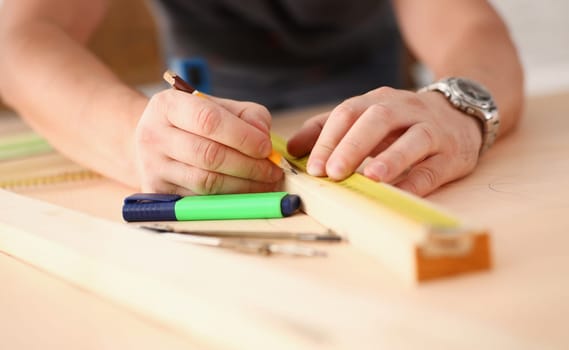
(266, 147)
(315, 167)
(377, 171)
(336, 169)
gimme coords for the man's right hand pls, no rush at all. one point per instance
(187, 144)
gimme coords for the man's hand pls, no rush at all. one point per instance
(418, 141)
(187, 144)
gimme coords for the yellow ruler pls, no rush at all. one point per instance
(411, 236)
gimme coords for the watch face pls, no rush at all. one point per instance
(474, 92)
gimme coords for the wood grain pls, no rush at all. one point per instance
(349, 300)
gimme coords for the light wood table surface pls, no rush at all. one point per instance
(520, 191)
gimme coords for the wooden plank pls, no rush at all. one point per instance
(410, 236)
(61, 316)
(217, 298)
(172, 283)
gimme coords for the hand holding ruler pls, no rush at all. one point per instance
(407, 234)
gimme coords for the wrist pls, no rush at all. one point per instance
(471, 128)
(474, 100)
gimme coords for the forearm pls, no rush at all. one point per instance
(466, 38)
(71, 98)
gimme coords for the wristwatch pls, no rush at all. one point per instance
(473, 99)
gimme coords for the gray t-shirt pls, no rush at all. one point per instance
(284, 53)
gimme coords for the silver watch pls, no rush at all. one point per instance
(473, 99)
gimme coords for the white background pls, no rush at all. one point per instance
(541, 32)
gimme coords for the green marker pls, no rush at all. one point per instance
(172, 207)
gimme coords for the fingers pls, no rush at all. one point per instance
(304, 140)
(203, 153)
(253, 113)
(193, 170)
(339, 122)
(189, 144)
(433, 172)
(427, 176)
(203, 117)
(182, 179)
(418, 142)
(353, 131)
(374, 125)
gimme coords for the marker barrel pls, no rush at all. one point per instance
(169, 207)
(236, 206)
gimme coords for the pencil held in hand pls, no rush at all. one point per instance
(281, 162)
(180, 84)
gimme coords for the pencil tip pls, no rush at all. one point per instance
(286, 165)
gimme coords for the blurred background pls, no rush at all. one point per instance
(541, 32)
(127, 41)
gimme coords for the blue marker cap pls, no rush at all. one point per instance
(290, 204)
(150, 207)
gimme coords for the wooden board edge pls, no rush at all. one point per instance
(402, 246)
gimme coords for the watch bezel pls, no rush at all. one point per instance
(483, 101)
